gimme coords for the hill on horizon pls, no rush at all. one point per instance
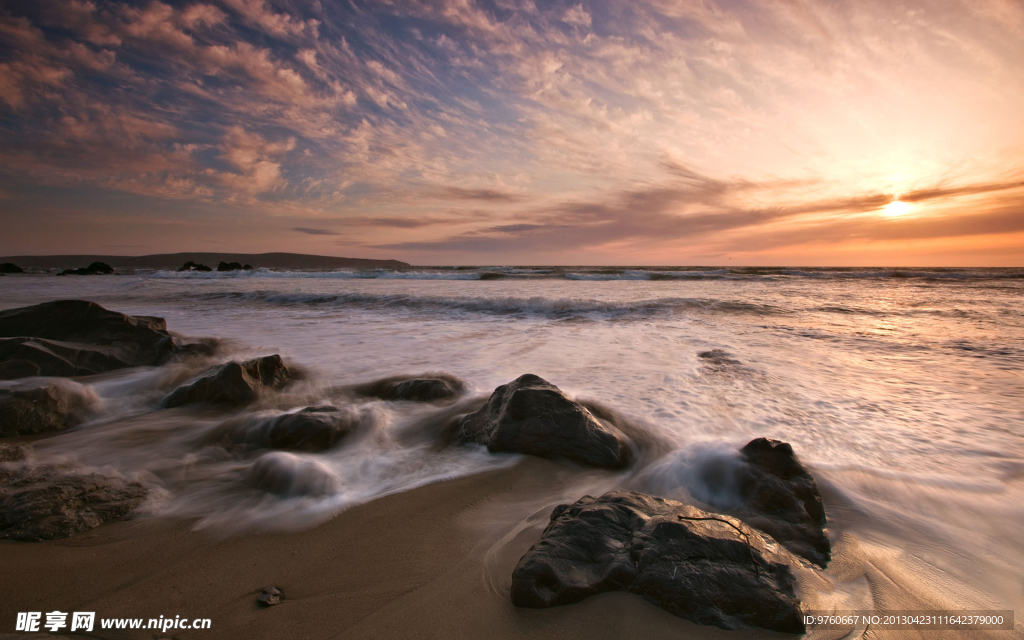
(210, 259)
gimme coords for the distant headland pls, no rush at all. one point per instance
(176, 260)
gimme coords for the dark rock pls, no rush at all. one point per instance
(12, 452)
(270, 597)
(531, 415)
(43, 409)
(312, 429)
(49, 502)
(10, 267)
(247, 267)
(194, 266)
(94, 269)
(232, 266)
(234, 383)
(704, 567)
(425, 389)
(77, 338)
(780, 497)
(289, 475)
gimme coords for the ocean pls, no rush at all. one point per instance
(902, 390)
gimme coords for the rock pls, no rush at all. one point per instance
(76, 338)
(780, 497)
(49, 502)
(270, 597)
(53, 407)
(531, 415)
(312, 429)
(234, 383)
(700, 566)
(425, 389)
(94, 269)
(291, 476)
(10, 267)
(233, 266)
(193, 266)
(12, 452)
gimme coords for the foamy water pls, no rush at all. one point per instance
(903, 390)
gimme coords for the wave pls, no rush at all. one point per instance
(515, 306)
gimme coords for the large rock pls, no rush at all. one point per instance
(233, 266)
(76, 338)
(311, 429)
(51, 407)
(531, 415)
(50, 502)
(292, 476)
(10, 267)
(234, 383)
(428, 388)
(779, 496)
(708, 568)
(94, 269)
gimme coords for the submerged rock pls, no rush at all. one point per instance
(708, 568)
(52, 407)
(50, 502)
(94, 269)
(531, 415)
(312, 429)
(76, 338)
(194, 266)
(289, 475)
(234, 383)
(424, 389)
(12, 452)
(10, 267)
(270, 597)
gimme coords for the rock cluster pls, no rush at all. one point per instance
(94, 269)
(233, 266)
(194, 266)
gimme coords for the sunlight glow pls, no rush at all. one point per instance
(898, 208)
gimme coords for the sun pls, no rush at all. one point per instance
(897, 208)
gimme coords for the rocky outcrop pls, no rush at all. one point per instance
(233, 266)
(194, 266)
(53, 407)
(311, 429)
(10, 267)
(94, 269)
(234, 383)
(531, 415)
(50, 502)
(708, 568)
(77, 338)
(429, 388)
(779, 496)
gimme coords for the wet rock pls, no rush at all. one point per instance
(194, 266)
(779, 496)
(94, 269)
(423, 389)
(233, 266)
(270, 597)
(50, 502)
(52, 407)
(10, 267)
(312, 429)
(76, 338)
(234, 383)
(289, 475)
(531, 415)
(12, 452)
(708, 568)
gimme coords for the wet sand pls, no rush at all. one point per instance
(434, 562)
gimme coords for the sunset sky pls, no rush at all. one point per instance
(513, 131)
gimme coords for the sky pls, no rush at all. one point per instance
(650, 132)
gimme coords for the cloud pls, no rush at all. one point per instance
(315, 232)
